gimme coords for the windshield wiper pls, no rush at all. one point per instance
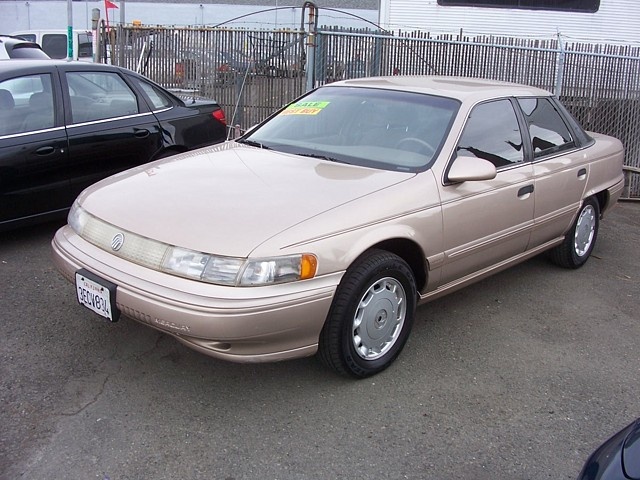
(252, 143)
(321, 157)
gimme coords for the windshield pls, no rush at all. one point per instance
(361, 126)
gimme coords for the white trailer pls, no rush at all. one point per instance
(602, 21)
(54, 42)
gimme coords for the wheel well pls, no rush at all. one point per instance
(411, 253)
(603, 199)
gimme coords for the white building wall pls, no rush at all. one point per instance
(617, 21)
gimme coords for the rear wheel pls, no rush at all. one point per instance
(578, 244)
(371, 315)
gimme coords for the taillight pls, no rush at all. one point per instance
(219, 115)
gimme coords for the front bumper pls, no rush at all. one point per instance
(240, 324)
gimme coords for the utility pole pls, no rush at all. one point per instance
(69, 31)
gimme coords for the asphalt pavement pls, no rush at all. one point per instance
(520, 376)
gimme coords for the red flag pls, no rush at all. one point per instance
(108, 4)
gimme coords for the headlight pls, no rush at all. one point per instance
(200, 266)
(237, 271)
(279, 269)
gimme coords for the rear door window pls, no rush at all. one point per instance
(548, 131)
(99, 96)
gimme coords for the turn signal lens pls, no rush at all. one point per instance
(308, 266)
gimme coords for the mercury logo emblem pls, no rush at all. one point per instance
(117, 241)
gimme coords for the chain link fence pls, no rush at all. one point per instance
(251, 73)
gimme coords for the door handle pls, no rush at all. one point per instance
(48, 150)
(142, 133)
(582, 173)
(525, 190)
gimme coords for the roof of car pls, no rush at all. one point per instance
(17, 33)
(32, 65)
(16, 47)
(455, 87)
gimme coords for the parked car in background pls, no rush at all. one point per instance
(15, 47)
(194, 69)
(616, 459)
(321, 228)
(280, 63)
(65, 125)
(54, 42)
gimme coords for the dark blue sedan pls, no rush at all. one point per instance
(616, 459)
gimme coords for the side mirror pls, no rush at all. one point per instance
(465, 169)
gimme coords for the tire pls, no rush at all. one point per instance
(578, 244)
(370, 317)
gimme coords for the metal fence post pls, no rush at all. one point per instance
(238, 114)
(376, 63)
(320, 67)
(559, 67)
(311, 43)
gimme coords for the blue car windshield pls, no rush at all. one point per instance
(387, 129)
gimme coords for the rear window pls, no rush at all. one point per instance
(27, 50)
(157, 98)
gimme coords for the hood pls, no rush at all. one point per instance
(229, 198)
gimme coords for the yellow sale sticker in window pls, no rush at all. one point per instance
(305, 108)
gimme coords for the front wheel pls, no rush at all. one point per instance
(371, 315)
(578, 244)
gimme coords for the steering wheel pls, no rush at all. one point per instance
(422, 145)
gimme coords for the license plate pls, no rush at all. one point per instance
(97, 294)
